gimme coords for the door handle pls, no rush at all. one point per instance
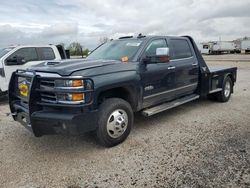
(194, 64)
(171, 67)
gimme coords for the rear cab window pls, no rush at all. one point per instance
(46, 53)
(180, 49)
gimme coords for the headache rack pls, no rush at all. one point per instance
(43, 91)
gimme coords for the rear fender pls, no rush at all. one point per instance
(233, 78)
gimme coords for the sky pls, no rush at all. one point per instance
(86, 21)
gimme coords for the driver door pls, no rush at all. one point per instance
(158, 79)
(20, 59)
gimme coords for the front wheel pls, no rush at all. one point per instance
(115, 120)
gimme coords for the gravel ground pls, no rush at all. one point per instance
(200, 144)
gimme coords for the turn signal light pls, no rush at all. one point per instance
(77, 83)
(69, 83)
(77, 96)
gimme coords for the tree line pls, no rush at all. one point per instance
(76, 49)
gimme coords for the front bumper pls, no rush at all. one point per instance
(43, 118)
(55, 122)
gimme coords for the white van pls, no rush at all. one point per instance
(24, 56)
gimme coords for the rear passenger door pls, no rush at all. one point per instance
(186, 66)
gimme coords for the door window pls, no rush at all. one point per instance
(27, 54)
(151, 49)
(46, 53)
(181, 49)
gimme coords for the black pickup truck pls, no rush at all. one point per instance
(147, 74)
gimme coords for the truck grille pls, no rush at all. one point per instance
(47, 83)
(48, 97)
(47, 86)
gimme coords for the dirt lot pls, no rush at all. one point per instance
(200, 144)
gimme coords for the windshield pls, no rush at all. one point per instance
(116, 50)
(4, 51)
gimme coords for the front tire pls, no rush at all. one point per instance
(115, 120)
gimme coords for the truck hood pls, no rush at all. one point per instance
(86, 67)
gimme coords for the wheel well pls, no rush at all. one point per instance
(231, 77)
(125, 93)
(232, 80)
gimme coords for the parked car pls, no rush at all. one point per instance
(147, 74)
(24, 56)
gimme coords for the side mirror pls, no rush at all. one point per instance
(162, 52)
(162, 56)
(16, 60)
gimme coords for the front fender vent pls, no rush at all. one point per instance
(52, 63)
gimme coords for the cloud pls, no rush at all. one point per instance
(10, 35)
(86, 21)
(60, 29)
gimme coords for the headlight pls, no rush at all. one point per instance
(70, 98)
(69, 83)
(73, 91)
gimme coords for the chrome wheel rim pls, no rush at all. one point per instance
(117, 123)
(227, 89)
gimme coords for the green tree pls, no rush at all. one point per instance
(75, 49)
(85, 52)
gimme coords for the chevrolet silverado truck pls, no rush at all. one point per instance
(146, 74)
(24, 56)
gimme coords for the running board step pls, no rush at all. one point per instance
(169, 105)
(215, 90)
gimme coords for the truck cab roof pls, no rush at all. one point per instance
(149, 37)
(30, 45)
